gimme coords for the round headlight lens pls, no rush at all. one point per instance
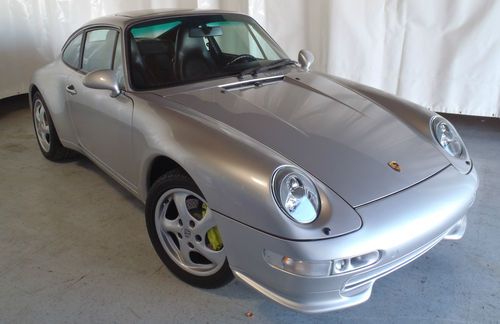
(296, 194)
(447, 136)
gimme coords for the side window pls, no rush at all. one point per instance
(118, 63)
(71, 54)
(98, 50)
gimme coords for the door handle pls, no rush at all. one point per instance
(71, 89)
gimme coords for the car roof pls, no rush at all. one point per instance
(123, 19)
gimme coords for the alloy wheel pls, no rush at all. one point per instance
(188, 233)
(42, 125)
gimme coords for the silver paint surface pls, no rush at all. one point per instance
(102, 80)
(340, 133)
(336, 135)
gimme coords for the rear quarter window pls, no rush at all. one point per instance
(71, 54)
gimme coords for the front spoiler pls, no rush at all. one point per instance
(402, 226)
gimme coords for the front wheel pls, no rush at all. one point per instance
(183, 232)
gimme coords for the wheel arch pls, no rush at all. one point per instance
(160, 165)
(50, 82)
(31, 92)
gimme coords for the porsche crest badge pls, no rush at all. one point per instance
(395, 166)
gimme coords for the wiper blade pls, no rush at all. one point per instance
(274, 65)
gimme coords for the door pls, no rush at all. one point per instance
(102, 123)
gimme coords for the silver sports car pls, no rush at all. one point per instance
(305, 186)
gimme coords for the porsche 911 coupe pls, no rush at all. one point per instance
(305, 186)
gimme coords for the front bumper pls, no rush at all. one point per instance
(402, 227)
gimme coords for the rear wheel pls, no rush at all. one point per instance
(183, 232)
(46, 134)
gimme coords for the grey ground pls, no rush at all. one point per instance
(74, 248)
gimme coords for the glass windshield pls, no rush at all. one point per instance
(190, 49)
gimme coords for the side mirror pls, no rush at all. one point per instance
(103, 79)
(306, 59)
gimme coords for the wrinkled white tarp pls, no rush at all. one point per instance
(444, 55)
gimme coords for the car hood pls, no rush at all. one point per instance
(340, 137)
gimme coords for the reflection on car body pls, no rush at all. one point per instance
(305, 186)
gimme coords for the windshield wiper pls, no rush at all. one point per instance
(276, 64)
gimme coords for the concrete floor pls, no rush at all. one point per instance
(74, 247)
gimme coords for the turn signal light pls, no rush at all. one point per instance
(298, 267)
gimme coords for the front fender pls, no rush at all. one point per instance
(231, 169)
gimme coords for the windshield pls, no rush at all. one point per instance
(190, 49)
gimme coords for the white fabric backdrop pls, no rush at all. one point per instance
(444, 55)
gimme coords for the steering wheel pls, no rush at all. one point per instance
(241, 57)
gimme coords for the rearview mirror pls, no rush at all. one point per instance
(205, 31)
(306, 59)
(103, 79)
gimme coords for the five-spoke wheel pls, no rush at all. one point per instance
(46, 133)
(184, 233)
(188, 232)
(42, 126)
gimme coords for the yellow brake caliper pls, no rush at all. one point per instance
(213, 235)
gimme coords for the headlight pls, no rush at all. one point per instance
(295, 194)
(447, 136)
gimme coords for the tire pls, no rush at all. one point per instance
(186, 237)
(45, 132)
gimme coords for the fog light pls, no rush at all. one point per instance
(354, 263)
(340, 265)
(298, 267)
